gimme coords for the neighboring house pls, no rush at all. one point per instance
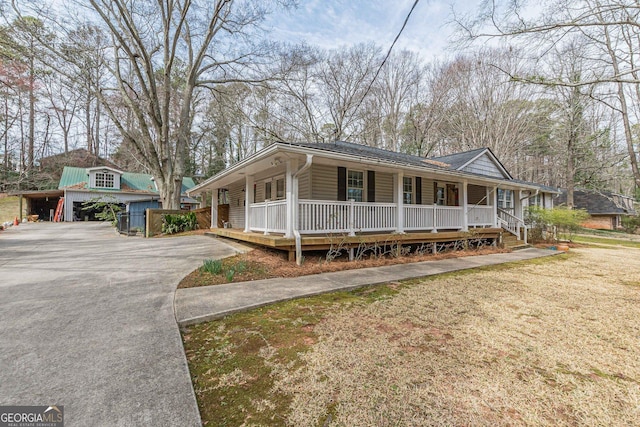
(105, 183)
(345, 188)
(605, 209)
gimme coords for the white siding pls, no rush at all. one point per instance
(485, 166)
(260, 196)
(83, 196)
(384, 187)
(324, 182)
(304, 189)
(427, 191)
(236, 205)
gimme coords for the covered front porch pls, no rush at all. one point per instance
(292, 194)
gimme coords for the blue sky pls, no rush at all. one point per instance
(334, 23)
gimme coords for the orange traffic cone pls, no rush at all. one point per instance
(16, 222)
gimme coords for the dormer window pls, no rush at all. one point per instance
(105, 180)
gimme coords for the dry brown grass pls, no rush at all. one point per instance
(535, 345)
(550, 342)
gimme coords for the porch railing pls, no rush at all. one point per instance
(268, 216)
(481, 216)
(320, 216)
(323, 216)
(429, 217)
(512, 223)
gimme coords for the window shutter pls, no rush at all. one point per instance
(435, 192)
(342, 183)
(418, 190)
(371, 186)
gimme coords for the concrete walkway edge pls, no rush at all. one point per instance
(203, 304)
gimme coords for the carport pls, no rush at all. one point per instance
(40, 202)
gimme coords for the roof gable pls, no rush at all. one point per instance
(480, 161)
(104, 168)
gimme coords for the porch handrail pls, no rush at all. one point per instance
(512, 223)
(268, 216)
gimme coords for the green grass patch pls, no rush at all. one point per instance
(234, 361)
(9, 207)
(605, 241)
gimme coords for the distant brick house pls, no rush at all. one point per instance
(606, 209)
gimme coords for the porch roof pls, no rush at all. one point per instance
(349, 152)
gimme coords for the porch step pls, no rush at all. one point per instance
(510, 241)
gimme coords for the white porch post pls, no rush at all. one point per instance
(292, 165)
(517, 203)
(248, 200)
(465, 210)
(400, 202)
(494, 202)
(214, 208)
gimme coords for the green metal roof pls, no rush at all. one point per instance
(73, 177)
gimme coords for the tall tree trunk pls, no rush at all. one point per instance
(87, 118)
(624, 111)
(32, 112)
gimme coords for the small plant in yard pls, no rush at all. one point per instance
(213, 266)
(230, 274)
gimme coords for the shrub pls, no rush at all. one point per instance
(178, 223)
(630, 224)
(565, 220)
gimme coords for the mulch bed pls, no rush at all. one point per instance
(262, 263)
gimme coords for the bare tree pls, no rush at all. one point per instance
(160, 54)
(612, 28)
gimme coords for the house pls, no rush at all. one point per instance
(606, 209)
(80, 185)
(300, 193)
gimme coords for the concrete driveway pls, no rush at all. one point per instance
(87, 321)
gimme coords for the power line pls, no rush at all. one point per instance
(404, 24)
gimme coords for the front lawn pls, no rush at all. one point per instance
(549, 342)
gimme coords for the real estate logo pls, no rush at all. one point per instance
(31, 416)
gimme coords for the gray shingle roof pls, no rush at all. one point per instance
(596, 202)
(373, 153)
(459, 159)
(451, 162)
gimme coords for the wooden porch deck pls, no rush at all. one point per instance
(311, 243)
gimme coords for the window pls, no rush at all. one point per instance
(279, 188)
(407, 190)
(355, 185)
(536, 200)
(505, 199)
(440, 196)
(105, 180)
(267, 190)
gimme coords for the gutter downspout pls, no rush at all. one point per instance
(296, 233)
